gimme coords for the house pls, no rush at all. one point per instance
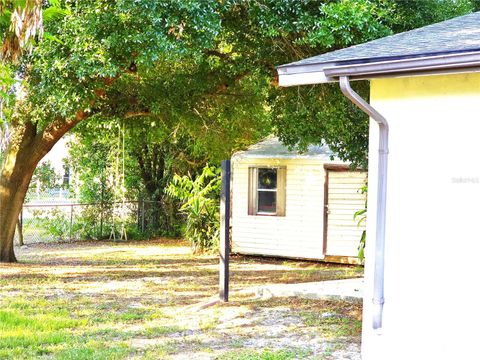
(423, 238)
(295, 204)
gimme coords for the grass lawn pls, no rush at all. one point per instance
(136, 300)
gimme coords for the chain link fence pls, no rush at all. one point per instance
(54, 217)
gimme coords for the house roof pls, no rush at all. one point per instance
(273, 148)
(445, 41)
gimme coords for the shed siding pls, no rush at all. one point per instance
(297, 234)
(344, 199)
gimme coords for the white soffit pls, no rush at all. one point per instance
(309, 78)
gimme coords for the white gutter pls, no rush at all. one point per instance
(378, 277)
(317, 73)
(410, 66)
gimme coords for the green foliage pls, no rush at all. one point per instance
(6, 81)
(6, 98)
(93, 350)
(61, 224)
(411, 14)
(201, 205)
(333, 325)
(208, 65)
(55, 222)
(286, 354)
(96, 165)
(97, 41)
(151, 153)
(320, 24)
(191, 82)
(361, 217)
(44, 178)
(361, 246)
(309, 114)
(285, 31)
(33, 331)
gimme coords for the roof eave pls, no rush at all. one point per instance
(330, 72)
(306, 74)
(307, 78)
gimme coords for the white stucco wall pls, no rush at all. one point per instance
(433, 216)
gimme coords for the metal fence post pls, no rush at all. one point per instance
(101, 221)
(225, 231)
(20, 229)
(71, 221)
(143, 215)
(102, 202)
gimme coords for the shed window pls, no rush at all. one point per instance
(267, 191)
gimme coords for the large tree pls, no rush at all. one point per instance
(207, 65)
(88, 48)
(181, 116)
(160, 61)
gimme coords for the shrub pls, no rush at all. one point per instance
(200, 198)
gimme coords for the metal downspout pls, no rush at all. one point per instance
(378, 280)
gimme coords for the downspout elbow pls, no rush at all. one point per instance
(369, 110)
(379, 272)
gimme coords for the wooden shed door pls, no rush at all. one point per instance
(343, 199)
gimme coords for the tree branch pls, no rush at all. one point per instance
(130, 114)
(45, 140)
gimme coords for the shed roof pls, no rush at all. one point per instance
(273, 148)
(448, 39)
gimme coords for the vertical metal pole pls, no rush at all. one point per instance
(102, 204)
(20, 229)
(225, 231)
(71, 221)
(139, 214)
(101, 220)
(143, 215)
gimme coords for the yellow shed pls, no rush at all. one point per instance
(292, 204)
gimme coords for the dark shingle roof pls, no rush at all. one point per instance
(461, 34)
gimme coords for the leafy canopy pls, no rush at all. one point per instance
(204, 66)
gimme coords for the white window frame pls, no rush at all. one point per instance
(279, 190)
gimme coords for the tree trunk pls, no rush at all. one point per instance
(17, 170)
(151, 161)
(11, 201)
(25, 149)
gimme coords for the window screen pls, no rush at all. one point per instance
(267, 191)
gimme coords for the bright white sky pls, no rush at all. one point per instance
(57, 154)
